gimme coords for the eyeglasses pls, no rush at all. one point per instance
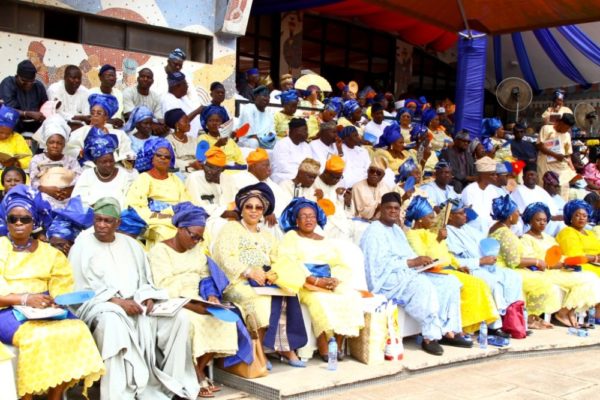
(193, 236)
(25, 220)
(375, 171)
(162, 156)
(307, 217)
(251, 207)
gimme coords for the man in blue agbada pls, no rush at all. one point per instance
(432, 299)
(464, 242)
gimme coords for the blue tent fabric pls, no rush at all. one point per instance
(581, 42)
(470, 79)
(558, 57)
(524, 62)
(277, 6)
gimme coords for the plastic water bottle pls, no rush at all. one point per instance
(592, 316)
(332, 351)
(581, 318)
(483, 335)
(526, 316)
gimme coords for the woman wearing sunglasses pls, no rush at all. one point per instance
(243, 250)
(180, 265)
(156, 189)
(53, 354)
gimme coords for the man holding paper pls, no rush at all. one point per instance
(145, 357)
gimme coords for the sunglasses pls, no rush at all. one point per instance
(25, 220)
(193, 236)
(251, 207)
(374, 171)
(163, 156)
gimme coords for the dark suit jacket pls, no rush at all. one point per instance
(451, 155)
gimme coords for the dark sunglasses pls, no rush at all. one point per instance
(163, 156)
(251, 207)
(25, 220)
(193, 236)
(375, 171)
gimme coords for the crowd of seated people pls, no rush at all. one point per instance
(142, 197)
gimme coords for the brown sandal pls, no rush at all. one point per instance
(205, 392)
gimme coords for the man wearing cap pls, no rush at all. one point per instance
(261, 121)
(25, 94)
(461, 161)
(204, 185)
(73, 97)
(108, 80)
(502, 173)
(432, 299)
(555, 149)
(302, 183)
(290, 151)
(323, 146)
(145, 356)
(247, 90)
(557, 109)
(259, 170)
(355, 156)
(367, 193)
(142, 95)
(440, 191)
(480, 194)
(177, 98)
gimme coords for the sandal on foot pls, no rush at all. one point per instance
(213, 387)
(292, 363)
(205, 392)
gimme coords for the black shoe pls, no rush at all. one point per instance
(433, 347)
(499, 333)
(457, 341)
(341, 355)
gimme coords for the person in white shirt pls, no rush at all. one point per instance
(374, 129)
(142, 95)
(324, 145)
(72, 96)
(290, 151)
(262, 124)
(480, 194)
(176, 98)
(557, 109)
(302, 183)
(439, 191)
(355, 156)
(108, 80)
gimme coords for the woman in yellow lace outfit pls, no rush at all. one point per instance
(541, 295)
(582, 289)
(477, 303)
(53, 354)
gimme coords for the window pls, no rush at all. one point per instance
(258, 47)
(73, 27)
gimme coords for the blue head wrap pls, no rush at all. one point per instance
(97, 144)
(252, 71)
(334, 104)
(347, 131)
(350, 106)
(71, 220)
(131, 222)
(143, 162)
(428, 115)
(108, 102)
(558, 94)
(173, 116)
(8, 117)
(405, 170)
(391, 133)
(502, 208)
(138, 114)
(287, 221)
(177, 54)
(31, 200)
(419, 207)
(417, 131)
(573, 206)
(288, 96)
(212, 110)
(261, 191)
(487, 144)
(489, 126)
(187, 214)
(533, 209)
(106, 67)
(175, 78)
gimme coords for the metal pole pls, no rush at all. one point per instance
(464, 17)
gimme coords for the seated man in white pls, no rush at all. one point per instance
(324, 146)
(479, 194)
(260, 119)
(290, 151)
(439, 191)
(302, 185)
(72, 96)
(145, 357)
(355, 156)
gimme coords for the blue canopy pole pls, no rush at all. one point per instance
(470, 80)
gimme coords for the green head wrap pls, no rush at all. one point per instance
(108, 206)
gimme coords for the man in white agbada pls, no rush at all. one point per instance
(303, 183)
(529, 192)
(439, 191)
(290, 151)
(72, 96)
(260, 119)
(480, 194)
(324, 147)
(204, 185)
(177, 98)
(146, 357)
(355, 156)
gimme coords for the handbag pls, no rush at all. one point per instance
(258, 367)
(369, 345)
(513, 320)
